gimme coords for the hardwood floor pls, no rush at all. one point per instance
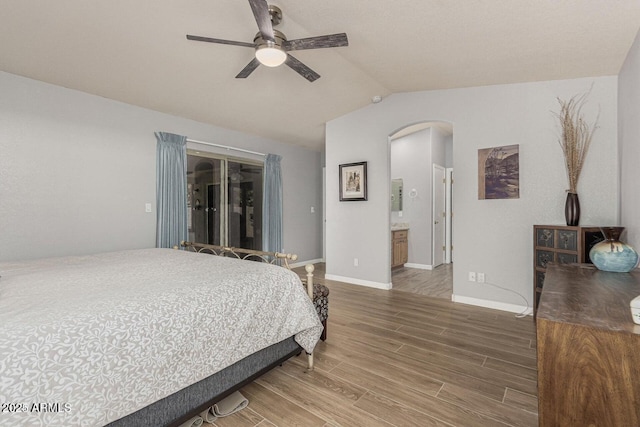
(396, 358)
(436, 283)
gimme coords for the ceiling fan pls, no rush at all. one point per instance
(272, 47)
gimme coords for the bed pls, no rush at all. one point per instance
(141, 337)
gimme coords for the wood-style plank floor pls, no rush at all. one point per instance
(397, 358)
(436, 283)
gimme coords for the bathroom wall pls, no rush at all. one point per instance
(411, 159)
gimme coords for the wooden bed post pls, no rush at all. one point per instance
(309, 269)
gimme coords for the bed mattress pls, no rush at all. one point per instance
(88, 340)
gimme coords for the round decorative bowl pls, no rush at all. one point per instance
(613, 255)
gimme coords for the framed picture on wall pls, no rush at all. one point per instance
(499, 172)
(353, 182)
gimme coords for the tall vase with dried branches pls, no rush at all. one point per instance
(575, 139)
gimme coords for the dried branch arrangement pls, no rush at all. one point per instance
(575, 137)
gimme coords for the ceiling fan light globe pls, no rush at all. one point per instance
(271, 56)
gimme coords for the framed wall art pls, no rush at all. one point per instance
(353, 182)
(499, 172)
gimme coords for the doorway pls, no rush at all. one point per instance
(420, 154)
(224, 201)
(439, 215)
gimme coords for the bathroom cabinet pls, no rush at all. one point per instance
(399, 248)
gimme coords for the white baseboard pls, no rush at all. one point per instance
(512, 308)
(495, 305)
(303, 263)
(360, 282)
(420, 266)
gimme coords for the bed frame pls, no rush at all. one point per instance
(179, 407)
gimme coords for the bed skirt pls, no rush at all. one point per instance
(188, 402)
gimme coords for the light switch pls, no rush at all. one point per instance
(147, 207)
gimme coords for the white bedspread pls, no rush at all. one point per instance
(87, 340)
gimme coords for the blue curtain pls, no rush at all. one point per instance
(171, 189)
(272, 204)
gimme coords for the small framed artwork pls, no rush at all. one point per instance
(353, 182)
(499, 172)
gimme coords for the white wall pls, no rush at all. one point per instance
(629, 143)
(76, 171)
(448, 151)
(438, 147)
(490, 236)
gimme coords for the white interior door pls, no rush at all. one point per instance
(439, 215)
(324, 215)
(448, 256)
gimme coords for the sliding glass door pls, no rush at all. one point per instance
(224, 197)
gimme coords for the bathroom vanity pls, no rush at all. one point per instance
(399, 245)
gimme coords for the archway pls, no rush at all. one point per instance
(421, 164)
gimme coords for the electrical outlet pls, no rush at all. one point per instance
(355, 262)
(480, 277)
(472, 276)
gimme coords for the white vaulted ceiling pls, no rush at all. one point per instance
(136, 52)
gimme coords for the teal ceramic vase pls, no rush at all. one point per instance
(613, 255)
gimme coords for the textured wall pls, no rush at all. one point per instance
(490, 236)
(76, 171)
(629, 141)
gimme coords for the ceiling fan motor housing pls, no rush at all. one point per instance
(270, 53)
(277, 36)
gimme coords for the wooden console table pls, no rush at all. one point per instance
(588, 348)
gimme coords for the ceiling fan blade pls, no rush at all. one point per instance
(220, 41)
(302, 69)
(248, 69)
(319, 42)
(260, 10)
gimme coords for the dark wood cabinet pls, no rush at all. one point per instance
(561, 244)
(588, 348)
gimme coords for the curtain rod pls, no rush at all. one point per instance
(225, 147)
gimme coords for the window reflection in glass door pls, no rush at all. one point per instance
(227, 215)
(245, 205)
